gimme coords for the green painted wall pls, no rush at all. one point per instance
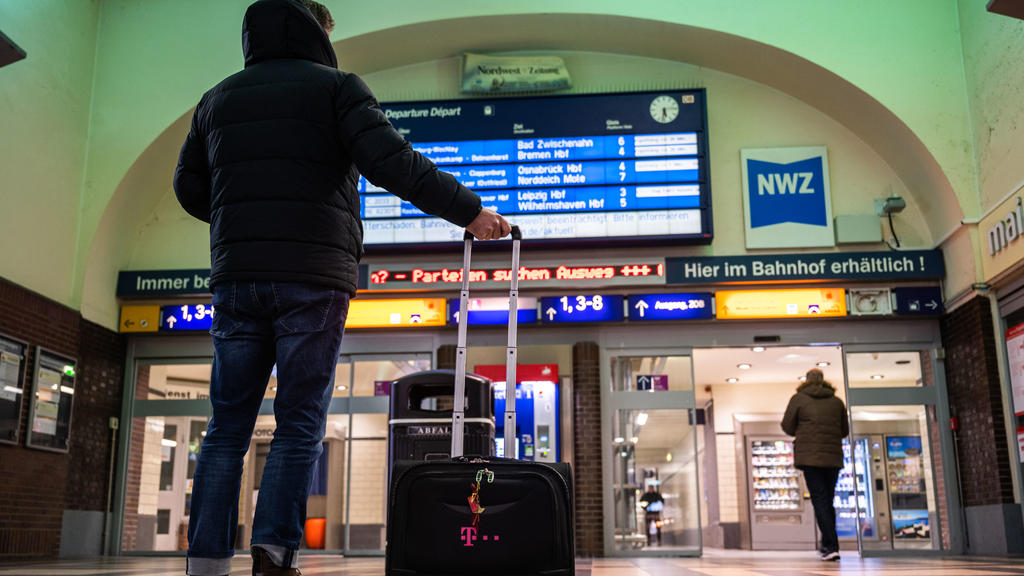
(151, 70)
(993, 48)
(44, 119)
(154, 58)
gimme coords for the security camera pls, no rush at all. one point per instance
(890, 205)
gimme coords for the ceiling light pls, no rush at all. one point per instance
(342, 387)
(802, 378)
(732, 380)
(757, 349)
(634, 439)
(877, 376)
(641, 418)
(619, 440)
(824, 364)
(169, 443)
(743, 366)
(273, 388)
(668, 457)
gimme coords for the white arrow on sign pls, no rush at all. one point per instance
(933, 305)
(641, 306)
(170, 321)
(551, 314)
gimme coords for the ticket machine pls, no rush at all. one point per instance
(537, 410)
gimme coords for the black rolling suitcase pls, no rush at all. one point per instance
(481, 516)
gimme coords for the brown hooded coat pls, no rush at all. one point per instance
(818, 420)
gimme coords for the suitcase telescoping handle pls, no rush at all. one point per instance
(459, 414)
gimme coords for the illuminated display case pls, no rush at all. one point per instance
(775, 482)
(853, 491)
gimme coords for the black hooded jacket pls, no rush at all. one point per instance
(818, 420)
(274, 154)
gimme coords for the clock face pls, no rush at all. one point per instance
(664, 109)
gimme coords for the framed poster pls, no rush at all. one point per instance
(1015, 361)
(53, 387)
(13, 355)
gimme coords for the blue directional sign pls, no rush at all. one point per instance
(186, 317)
(493, 311)
(923, 301)
(581, 308)
(686, 306)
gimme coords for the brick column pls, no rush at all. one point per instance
(586, 379)
(975, 397)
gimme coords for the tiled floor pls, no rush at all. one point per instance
(738, 564)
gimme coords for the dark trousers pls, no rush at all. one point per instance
(821, 483)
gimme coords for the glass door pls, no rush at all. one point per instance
(652, 504)
(893, 492)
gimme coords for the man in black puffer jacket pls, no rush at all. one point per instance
(272, 162)
(819, 421)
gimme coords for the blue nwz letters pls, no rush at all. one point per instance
(781, 193)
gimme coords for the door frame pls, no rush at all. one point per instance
(167, 351)
(935, 395)
(613, 401)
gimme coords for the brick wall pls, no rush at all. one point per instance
(586, 379)
(133, 482)
(38, 485)
(972, 376)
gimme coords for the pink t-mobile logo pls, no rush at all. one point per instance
(469, 536)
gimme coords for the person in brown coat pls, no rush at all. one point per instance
(819, 422)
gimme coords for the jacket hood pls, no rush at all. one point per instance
(275, 29)
(820, 390)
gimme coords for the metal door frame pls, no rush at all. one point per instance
(154, 351)
(934, 395)
(611, 402)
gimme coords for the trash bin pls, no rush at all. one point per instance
(421, 416)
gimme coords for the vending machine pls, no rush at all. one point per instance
(855, 499)
(781, 517)
(537, 410)
(908, 492)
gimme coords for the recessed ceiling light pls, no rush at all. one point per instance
(634, 439)
(877, 376)
(668, 457)
(273, 388)
(732, 380)
(802, 378)
(641, 418)
(743, 366)
(619, 440)
(824, 364)
(757, 349)
(342, 387)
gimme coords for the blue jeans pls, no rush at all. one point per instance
(257, 324)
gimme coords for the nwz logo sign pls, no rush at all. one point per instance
(785, 183)
(786, 192)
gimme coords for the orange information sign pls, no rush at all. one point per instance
(391, 313)
(139, 319)
(800, 303)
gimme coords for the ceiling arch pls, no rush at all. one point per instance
(930, 189)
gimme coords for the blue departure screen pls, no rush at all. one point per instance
(615, 166)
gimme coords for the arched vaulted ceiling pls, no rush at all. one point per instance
(930, 189)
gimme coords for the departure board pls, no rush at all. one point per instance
(624, 168)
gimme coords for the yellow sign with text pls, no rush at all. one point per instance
(802, 303)
(393, 313)
(139, 319)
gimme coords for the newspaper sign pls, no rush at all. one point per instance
(504, 74)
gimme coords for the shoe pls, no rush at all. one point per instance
(828, 556)
(262, 565)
